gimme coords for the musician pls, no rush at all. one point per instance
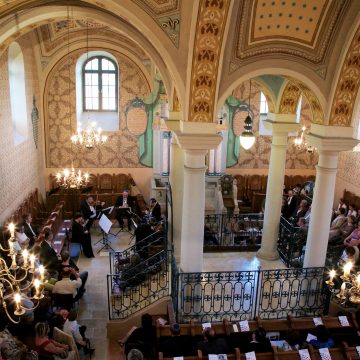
(80, 234)
(89, 210)
(155, 210)
(30, 230)
(123, 205)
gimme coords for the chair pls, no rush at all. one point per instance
(66, 339)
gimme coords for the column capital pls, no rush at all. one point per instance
(327, 144)
(281, 118)
(280, 128)
(197, 141)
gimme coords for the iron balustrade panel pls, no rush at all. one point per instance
(134, 289)
(238, 231)
(291, 242)
(212, 296)
(174, 282)
(149, 245)
(296, 292)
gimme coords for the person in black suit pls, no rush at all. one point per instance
(81, 235)
(88, 211)
(291, 204)
(155, 210)
(48, 256)
(30, 230)
(123, 204)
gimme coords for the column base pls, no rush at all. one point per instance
(267, 255)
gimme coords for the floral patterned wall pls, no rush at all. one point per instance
(349, 168)
(21, 166)
(121, 149)
(259, 155)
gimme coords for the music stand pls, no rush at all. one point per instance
(124, 208)
(105, 225)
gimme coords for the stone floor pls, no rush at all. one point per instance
(93, 309)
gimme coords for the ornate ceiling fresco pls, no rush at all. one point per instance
(54, 35)
(166, 13)
(302, 29)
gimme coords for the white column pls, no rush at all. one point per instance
(176, 181)
(329, 141)
(192, 229)
(274, 190)
(321, 209)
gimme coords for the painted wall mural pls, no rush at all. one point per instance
(259, 155)
(122, 147)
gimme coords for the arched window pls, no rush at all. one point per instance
(18, 104)
(263, 109)
(263, 104)
(100, 84)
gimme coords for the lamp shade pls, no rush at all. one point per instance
(247, 137)
(247, 140)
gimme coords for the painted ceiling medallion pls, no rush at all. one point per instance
(303, 29)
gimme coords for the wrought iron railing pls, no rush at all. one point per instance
(243, 295)
(291, 243)
(136, 287)
(233, 232)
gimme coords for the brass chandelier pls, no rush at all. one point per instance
(19, 278)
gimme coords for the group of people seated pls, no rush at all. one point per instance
(143, 341)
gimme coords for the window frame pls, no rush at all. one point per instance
(100, 71)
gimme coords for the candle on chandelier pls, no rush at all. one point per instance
(358, 281)
(342, 290)
(17, 298)
(32, 262)
(42, 272)
(25, 255)
(12, 230)
(332, 274)
(37, 288)
(13, 263)
(347, 268)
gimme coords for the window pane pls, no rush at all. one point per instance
(92, 65)
(96, 104)
(94, 91)
(88, 91)
(263, 104)
(112, 104)
(107, 65)
(105, 79)
(112, 91)
(88, 104)
(105, 104)
(111, 79)
(105, 92)
(94, 79)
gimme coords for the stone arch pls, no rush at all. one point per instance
(35, 16)
(347, 87)
(290, 98)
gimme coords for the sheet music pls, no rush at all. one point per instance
(304, 354)
(358, 350)
(325, 354)
(206, 325)
(310, 337)
(244, 325)
(250, 355)
(318, 321)
(235, 328)
(344, 321)
(105, 223)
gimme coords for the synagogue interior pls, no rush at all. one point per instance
(178, 178)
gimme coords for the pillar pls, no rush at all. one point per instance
(281, 125)
(323, 198)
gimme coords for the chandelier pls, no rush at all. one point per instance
(19, 276)
(247, 137)
(300, 142)
(88, 138)
(349, 290)
(72, 179)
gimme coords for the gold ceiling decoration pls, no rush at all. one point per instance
(303, 29)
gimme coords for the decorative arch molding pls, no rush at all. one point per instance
(290, 98)
(270, 98)
(211, 21)
(347, 86)
(30, 18)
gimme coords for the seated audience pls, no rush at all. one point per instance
(211, 344)
(30, 230)
(48, 256)
(301, 210)
(142, 338)
(135, 354)
(67, 286)
(133, 273)
(338, 235)
(47, 347)
(176, 345)
(352, 210)
(81, 235)
(209, 237)
(155, 210)
(295, 339)
(67, 263)
(350, 253)
(72, 328)
(339, 220)
(21, 237)
(354, 238)
(260, 343)
(323, 338)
